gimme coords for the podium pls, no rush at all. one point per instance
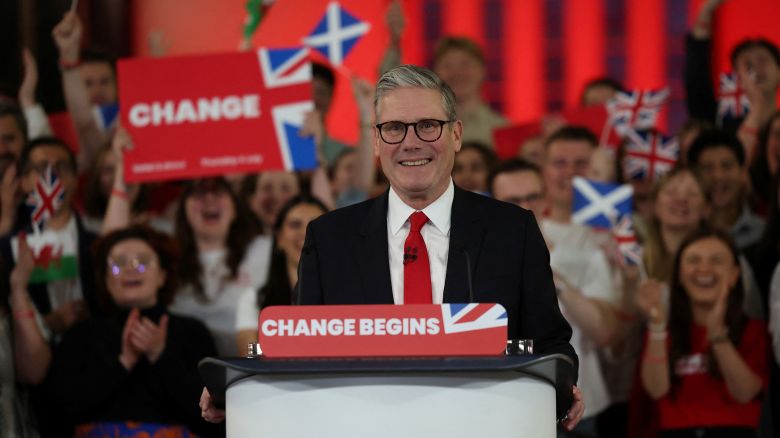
(495, 396)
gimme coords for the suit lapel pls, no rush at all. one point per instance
(372, 255)
(466, 234)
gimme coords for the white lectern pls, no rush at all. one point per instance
(502, 396)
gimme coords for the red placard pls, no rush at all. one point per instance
(383, 330)
(509, 139)
(194, 116)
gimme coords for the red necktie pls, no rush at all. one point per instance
(417, 268)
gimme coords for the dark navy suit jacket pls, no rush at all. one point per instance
(345, 261)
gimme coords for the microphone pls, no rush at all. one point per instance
(457, 246)
(410, 254)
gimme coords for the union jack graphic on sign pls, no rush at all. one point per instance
(286, 68)
(732, 101)
(46, 198)
(469, 317)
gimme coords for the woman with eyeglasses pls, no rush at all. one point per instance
(705, 362)
(289, 236)
(222, 255)
(134, 371)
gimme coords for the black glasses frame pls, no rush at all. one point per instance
(414, 124)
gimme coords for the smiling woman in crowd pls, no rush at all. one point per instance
(133, 371)
(704, 362)
(289, 236)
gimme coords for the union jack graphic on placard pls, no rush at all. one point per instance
(336, 33)
(46, 198)
(732, 101)
(636, 109)
(626, 240)
(285, 67)
(469, 317)
(649, 154)
(290, 68)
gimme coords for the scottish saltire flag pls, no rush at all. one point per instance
(636, 109)
(598, 204)
(732, 101)
(284, 69)
(469, 317)
(627, 244)
(649, 154)
(45, 199)
(336, 33)
(105, 115)
(348, 34)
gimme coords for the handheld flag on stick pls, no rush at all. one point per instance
(732, 101)
(636, 109)
(45, 199)
(649, 154)
(598, 204)
(627, 244)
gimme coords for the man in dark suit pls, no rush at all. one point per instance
(362, 254)
(413, 244)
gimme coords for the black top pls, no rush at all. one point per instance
(91, 385)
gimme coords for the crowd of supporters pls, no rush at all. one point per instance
(152, 278)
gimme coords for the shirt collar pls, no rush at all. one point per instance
(439, 212)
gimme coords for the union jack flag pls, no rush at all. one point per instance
(469, 317)
(336, 33)
(649, 154)
(46, 198)
(637, 109)
(732, 101)
(600, 205)
(285, 69)
(627, 244)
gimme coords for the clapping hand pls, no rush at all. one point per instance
(67, 37)
(649, 300)
(142, 337)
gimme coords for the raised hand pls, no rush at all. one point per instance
(29, 81)
(716, 320)
(67, 37)
(121, 142)
(20, 275)
(395, 20)
(364, 96)
(649, 300)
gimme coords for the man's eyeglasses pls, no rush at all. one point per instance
(428, 130)
(139, 263)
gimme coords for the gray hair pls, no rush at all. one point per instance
(413, 76)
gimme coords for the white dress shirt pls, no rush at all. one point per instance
(436, 234)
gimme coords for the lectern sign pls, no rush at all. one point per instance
(383, 330)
